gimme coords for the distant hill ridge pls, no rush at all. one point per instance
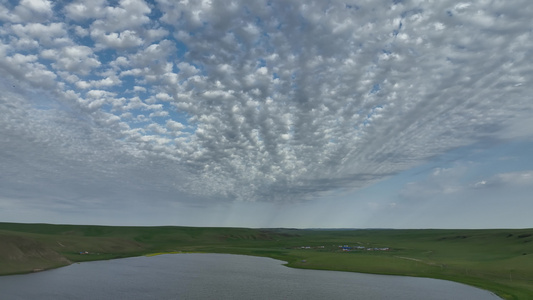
(499, 260)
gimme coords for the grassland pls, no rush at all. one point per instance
(497, 260)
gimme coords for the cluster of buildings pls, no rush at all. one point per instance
(348, 248)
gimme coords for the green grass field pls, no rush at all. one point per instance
(499, 260)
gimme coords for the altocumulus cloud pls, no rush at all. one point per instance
(251, 100)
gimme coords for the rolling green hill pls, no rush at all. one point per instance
(500, 260)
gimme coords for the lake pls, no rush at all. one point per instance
(220, 276)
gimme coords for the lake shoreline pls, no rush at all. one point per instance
(213, 261)
(472, 257)
(284, 263)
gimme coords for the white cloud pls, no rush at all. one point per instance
(26, 69)
(455, 183)
(105, 82)
(47, 35)
(174, 126)
(31, 11)
(99, 94)
(117, 27)
(76, 59)
(158, 114)
(40, 6)
(155, 128)
(83, 84)
(80, 31)
(155, 34)
(163, 97)
(511, 179)
(121, 40)
(153, 55)
(277, 101)
(81, 10)
(441, 181)
(139, 89)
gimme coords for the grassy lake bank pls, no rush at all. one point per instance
(499, 260)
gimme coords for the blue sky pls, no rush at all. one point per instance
(398, 114)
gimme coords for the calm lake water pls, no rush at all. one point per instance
(220, 276)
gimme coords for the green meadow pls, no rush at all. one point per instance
(499, 260)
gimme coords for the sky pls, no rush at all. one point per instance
(305, 114)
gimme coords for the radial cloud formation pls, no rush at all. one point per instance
(251, 100)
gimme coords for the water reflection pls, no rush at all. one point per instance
(221, 276)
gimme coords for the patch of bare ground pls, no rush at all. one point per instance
(32, 255)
